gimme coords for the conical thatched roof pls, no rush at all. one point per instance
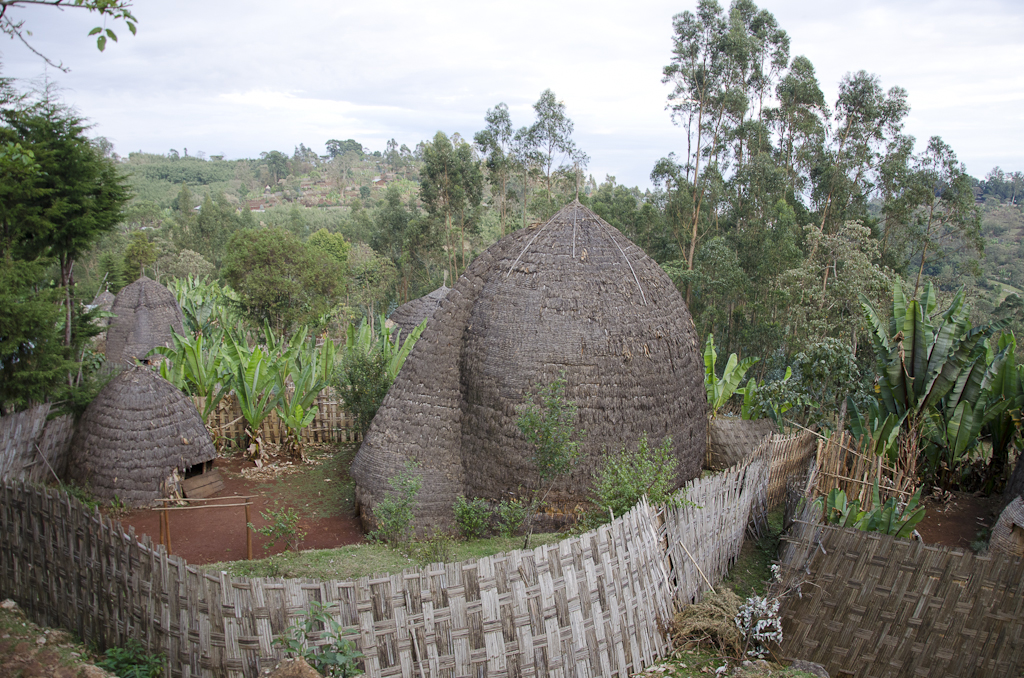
(132, 436)
(575, 296)
(104, 301)
(146, 313)
(410, 314)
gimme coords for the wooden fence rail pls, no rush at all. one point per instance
(332, 422)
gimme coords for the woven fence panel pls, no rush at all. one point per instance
(332, 422)
(593, 605)
(841, 465)
(874, 606)
(34, 449)
(789, 455)
(704, 535)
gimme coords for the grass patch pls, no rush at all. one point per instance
(701, 662)
(753, 568)
(321, 489)
(363, 560)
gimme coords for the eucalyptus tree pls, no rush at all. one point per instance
(496, 142)
(550, 137)
(866, 125)
(946, 208)
(799, 121)
(451, 187)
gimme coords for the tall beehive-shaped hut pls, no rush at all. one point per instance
(136, 434)
(572, 296)
(146, 313)
(412, 313)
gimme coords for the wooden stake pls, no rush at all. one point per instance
(697, 566)
(248, 533)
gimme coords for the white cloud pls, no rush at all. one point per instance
(241, 77)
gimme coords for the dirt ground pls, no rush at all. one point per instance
(958, 519)
(319, 491)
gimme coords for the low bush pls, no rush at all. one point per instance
(133, 661)
(394, 513)
(512, 515)
(627, 475)
(333, 656)
(472, 516)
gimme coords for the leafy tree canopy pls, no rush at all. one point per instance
(280, 280)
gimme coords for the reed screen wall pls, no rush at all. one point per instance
(871, 606)
(592, 605)
(32, 448)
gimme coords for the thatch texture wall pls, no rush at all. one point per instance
(571, 297)
(591, 605)
(730, 439)
(412, 313)
(34, 449)
(872, 605)
(1008, 532)
(133, 435)
(146, 313)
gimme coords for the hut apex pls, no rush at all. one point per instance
(138, 439)
(146, 313)
(575, 297)
(412, 313)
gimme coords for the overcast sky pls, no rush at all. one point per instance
(237, 77)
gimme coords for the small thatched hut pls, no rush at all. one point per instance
(138, 432)
(146, 313)
(412, 313)
(571, 296)
(104, 301)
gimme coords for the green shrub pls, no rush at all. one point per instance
(512, 513)
(333, 656)
(133, 661)
(887, 518)
(627, 475)
(472, 517)
(394, 513)
(364, 381)
(283, 524)
(440, 548)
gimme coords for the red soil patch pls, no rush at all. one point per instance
(219, 534)
(957, 519)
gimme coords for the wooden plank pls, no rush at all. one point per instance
(204, 485)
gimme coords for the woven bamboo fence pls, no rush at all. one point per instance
(331, 423)
(593, 605)
(789, 455)
(873, 606)
(34, 449)
(842, 465)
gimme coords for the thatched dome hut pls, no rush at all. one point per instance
(412, 313)
(135, 434)
(146, 313)
(104, 301)
(571, 296)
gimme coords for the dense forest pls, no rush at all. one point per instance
(774, 211)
